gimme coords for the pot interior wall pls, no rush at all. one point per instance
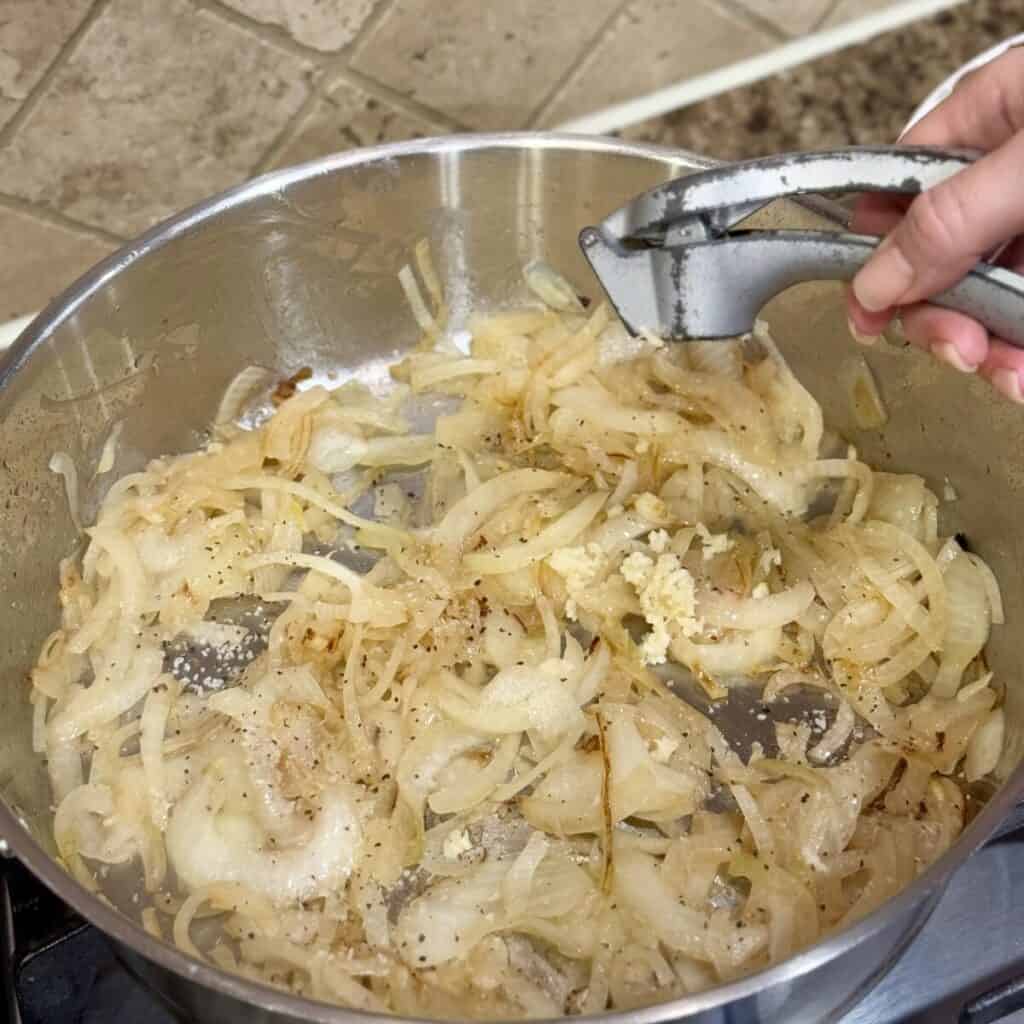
(305, 275)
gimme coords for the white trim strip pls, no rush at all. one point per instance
(744, 72)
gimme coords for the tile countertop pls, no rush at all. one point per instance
(859, 95)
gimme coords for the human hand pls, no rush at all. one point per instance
(934, 240)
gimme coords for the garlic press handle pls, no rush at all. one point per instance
(670, 264)
(716, 288)
(709, 202)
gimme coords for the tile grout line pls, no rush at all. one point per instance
(381, 9)
(567, 77)
(32, 100)
(394, 98)
(380, 90)
(294, 125)
(745, 72)
(47, 214)
(337, 73)
(738, 10)
(276, 35)
(831, 9)
(329, 69)
(725, 8)
(271, 35)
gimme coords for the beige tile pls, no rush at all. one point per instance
(652, 44)
(38, 260)
(794, 17)
(347, 117)
(159, 106)
(31, 34)
(486, 65)
(323, 24)
(848, 10)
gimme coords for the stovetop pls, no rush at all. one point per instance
(966, 965)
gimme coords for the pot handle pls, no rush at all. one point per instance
(1013, 822)
(994, 1005)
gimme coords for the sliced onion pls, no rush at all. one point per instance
(995, 600)
(969, 618)
(836, 736)
(640, 885)
(450, 784)
(737, 655)
(869, 412)
(550, 287)
(62, 464)
(414, 297)
(759, 828)
(717, 609)
(477, 786)
(151, 743)
(109, 452)
(986, 746)
(464, 519)
(249, 381)
(559, 534)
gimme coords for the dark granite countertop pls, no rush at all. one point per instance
(862, 94)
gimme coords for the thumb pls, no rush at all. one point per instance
(946, 231)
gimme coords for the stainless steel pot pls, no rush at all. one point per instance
(299, 269)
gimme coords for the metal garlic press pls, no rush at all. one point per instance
(676, 262)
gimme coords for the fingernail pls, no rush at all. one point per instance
(948, 353)
(1007, 383)
(859, 336)
(884, 279)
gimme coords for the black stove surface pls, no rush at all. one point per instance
(59, 970)
(965, 967)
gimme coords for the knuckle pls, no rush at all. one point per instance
(1009, 97)
(1005, 99)
(996, 87)
(1011, 64)
(1009, 69)
(938, 221)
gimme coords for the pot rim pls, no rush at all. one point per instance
(126, 932)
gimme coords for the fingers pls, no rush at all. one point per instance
(877, 213)
(1004, 368)
(961, 343)
(864, 325)
(965, 345)
(955, 339)
(934, 241)
(984, 111)
(946, 231)
(1013, 256)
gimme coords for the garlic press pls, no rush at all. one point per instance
(675, 260)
